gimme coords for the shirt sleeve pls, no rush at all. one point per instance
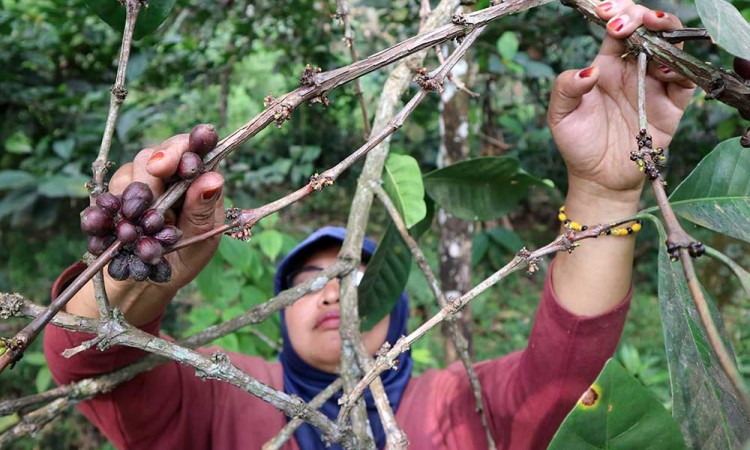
(530, 392)
(156, 409)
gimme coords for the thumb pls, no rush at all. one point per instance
(568, 92)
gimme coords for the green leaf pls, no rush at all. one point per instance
(385, 278)
(726, 26)
(35, 359)
(236, 253)
(56, 186)
(402, 180)
(703, 399)
(618, 413)
(716, 194)
(17, 201)
(209, 280)
(18, 143)
(251, 296)
(742, 275)
(507, 45)
(425, 224)
(149, 19)
(64, 148)
(481, 188)
(43, 379)
(14, 179)
(270, 242)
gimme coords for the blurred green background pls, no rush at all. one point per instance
(214, 62)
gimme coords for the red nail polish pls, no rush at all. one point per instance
(606, 6)
(209, 194)
(616, 25)
(659, 14)
(665, 70)
(585, 73)
(155, 157)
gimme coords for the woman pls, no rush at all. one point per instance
(593, 117)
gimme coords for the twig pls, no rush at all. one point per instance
(682, 246)
(455, 332)
(343, 14)
(100, 293)
(33, 422)
(286, 433)
(119, 92)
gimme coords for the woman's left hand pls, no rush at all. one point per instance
(593, 113)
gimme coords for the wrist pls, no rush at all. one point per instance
(590, 203)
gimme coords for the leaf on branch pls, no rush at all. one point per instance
(716, 194)
(481, 188)
(726, 26)
(402, 180)
(388, 271)
(704, 402)
(617, 412)
(149, 19)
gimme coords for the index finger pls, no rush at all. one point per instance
(165, 157)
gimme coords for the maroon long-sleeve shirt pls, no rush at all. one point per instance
(528, 393)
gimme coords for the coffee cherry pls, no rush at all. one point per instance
(191, 165)
(161, 272)
(149, 250)
(134, 207)
(169, 235)
(97, 244)
(96, 221)
(139, 270)
(138, 190)
(109, 202)
(119, 267)
(202, 139)
(126, 232)
(152, 221)
(742, 68)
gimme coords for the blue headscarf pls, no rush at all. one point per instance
(306, 381)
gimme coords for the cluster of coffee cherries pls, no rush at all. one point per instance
(142, 229)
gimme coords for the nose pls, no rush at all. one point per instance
(330, 293)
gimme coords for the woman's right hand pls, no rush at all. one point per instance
(202, 210)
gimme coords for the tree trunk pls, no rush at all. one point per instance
(454, 249)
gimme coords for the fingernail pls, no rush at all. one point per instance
(659, 14)
(618, 23)
(155, 157)
(210, 194)
(665, 70)
(606, 6)
(585, 73)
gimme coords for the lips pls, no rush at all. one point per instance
(329, 321)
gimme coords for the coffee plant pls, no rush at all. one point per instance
(129, 235)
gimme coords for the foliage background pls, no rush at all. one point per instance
(214, 62)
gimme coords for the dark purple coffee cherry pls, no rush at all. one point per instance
(139, 270)
(127, 232)
(133, 208)
(109, 202)
(97, 244)
(96, 221)
(203, 139)
(161, 272)
(169, 235)
(119, 267)
(138, 190)
(152, 221)
(742, 68)
(149, 250)
(191, 165)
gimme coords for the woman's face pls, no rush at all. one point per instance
(313, 321)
